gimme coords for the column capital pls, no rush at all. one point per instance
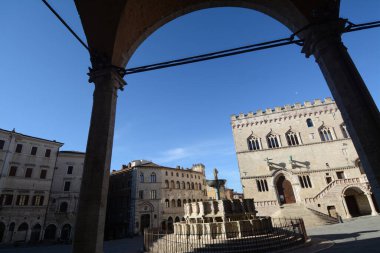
(97, 75)
(318, 36)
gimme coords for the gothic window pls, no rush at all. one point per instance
(173, 203)
(166, 184)
(167, 203)
(326, 134)
(273, 141)
(142, 178)
(254, 143)
(196, 186)
(178, 185)
(292, 138)
(179, 203)
(153, 194)
(184, 201)
(345, 133)
(309, 123)
(305, 181)
(200, 186)
(188, 185)
(153, 177)
(183, 185)
(262, 185)
(192, 186)
(172, 184)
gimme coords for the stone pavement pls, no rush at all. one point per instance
(354, 235)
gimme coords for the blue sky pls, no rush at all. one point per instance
(177, 116)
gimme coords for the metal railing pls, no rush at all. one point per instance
(283, 233)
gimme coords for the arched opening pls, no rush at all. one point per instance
(2, 230)
(50, 232)
(36, 232)
(357, 202)
(176, 219)
(285, 191)
(63, 207)
(66, 232)
(22, 232)
(144, 221)
(170, 224)
(11, 230)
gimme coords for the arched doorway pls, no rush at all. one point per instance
(50, 232)
(177, 219)
(2, 230)
(170, 224)
(35, 235)
(144, 221)
(66, 232)
(285, 191)
(357, 202)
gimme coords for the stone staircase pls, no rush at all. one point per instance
(310, 216)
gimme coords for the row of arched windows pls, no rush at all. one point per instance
(293, 138)
(183, 175)
(183, 185)
(179, 202)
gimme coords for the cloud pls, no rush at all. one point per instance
(202, 149)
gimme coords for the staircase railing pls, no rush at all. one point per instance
(345, 181)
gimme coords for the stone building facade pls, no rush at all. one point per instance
(27, 168)
(147, 195)
(300, 157)
(64, 196)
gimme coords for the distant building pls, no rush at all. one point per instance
(301, 158)
(64, 197)
(27, 168)
(147, 195)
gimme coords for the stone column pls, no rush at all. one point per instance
(351, 95)
(89, 228)
(372, 205)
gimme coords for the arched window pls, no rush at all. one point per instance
(188, 185)
(196, 186)
(166, 173)
(254, 143)
(177, 174)
(189, 201)
(167, 203)
(63, 207)
(184, 201)
(179, 203)
(183, 185)
(173, 203)
(166, 184)
(172, 184)
(273, 141)
(326, 133)
(153, 177)
(192, 185)
(200, 186)
(305, 181)
(178, 186)
(345, 133)
(142, 177)
(309, 123)
(292, 138)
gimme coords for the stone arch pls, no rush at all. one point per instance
(170, 224)
(22, 232)
(11, 230)
(357, 201)
(36, 233)
(66, 232)
(284, 188)
(128, 36)
(50, 232)
(177, 219)
(146, 206)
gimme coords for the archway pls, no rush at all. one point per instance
(357, 202)
(144, 222)
(11, 230)
(2, 230)
(170, 224)
(36, 232)
(50, 232)
(22, 232)
(66, 232)
(115, 32)
(285, 191)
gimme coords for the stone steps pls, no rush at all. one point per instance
(310, 217)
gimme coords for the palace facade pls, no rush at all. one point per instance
(299, 160)
(147, 195)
